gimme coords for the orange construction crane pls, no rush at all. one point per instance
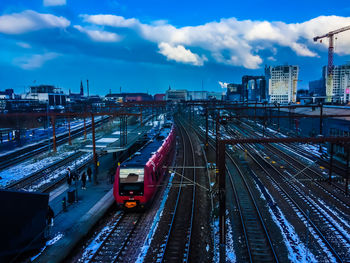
(330, 36)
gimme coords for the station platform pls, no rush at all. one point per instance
(72, 225)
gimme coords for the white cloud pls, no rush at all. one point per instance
(34, 61)
(23, 45)
(180, 54)
(110, 20)
(54, 2)
(223, 85)
(99, 36)
(28, 21)
(231, 41)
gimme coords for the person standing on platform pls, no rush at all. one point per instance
(50, 216)
(69, 177)
(89, 173)
(83, 180)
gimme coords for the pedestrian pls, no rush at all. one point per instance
(69, 177)
(89, 173)
(50, 216)
(74, 176)
(83, 180)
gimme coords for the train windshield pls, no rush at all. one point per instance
(131, 181)
(131, 175)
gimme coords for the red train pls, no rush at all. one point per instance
(137, 179)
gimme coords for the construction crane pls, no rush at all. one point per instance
(330, 36)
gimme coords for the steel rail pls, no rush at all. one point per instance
(176, 209)
(244, 227)
(295, 203)
(121, 237)
(303, 169)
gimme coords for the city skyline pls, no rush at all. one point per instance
(145, 47)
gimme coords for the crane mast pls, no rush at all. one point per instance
(330, 36)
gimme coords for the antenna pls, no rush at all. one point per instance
(87, 84)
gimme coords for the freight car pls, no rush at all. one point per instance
(137, 179)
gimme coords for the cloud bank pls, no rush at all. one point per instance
(34, 61)
(230, 41)
(28, 21)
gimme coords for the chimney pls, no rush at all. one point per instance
(81, 88)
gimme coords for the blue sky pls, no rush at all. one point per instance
(148, 45)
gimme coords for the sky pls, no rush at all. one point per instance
(149, 45)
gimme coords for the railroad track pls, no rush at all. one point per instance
(178, 239)
(338, 168)
(30, 151)
(325, 229)
(37, 176)
(113, 246)
(257, 241)
(306, 174)
(328, 227)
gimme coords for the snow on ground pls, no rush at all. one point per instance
(48, 243)
(91, 249)
(313, 233)
(216, 240)
(156, 220)
(31, 166)
(297, 251)
(314, 149)
(107, 140)
(295, 153)
(62, 171)
(334, 222)
(230, 250)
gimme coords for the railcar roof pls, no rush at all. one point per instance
(141, 157)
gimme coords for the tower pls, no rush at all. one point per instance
(81, 88)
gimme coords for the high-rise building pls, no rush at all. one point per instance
(254, 88)
(234, 92)
(339, 88)
(282, 83)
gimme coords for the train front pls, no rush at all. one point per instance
(129, 187)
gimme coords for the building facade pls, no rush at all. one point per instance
(282, 83)
(176, 95)
(234, 92)
(338, 88)
(198, 95)
(46, 94)
(254, 88)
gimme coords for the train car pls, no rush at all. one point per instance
(137, 179)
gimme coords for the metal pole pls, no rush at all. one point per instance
(141, 116)
(84, 128)
(206, 128)
(321, 119)
(53, 133)
(222, 201)
(331, 164)
(255, 113)
(69, 139)
(279, 111)
(126, 130)
(94, 145)
(217, 136)
(48, 124)
(347, 169)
